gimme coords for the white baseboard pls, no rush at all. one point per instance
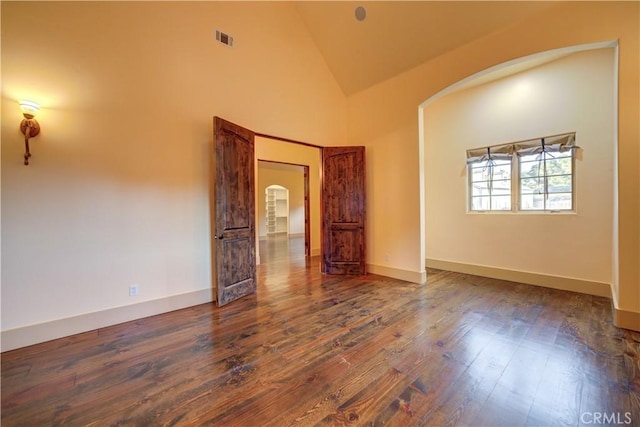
(33, 334)
(621, 318)
(397, 273)
(41, 332)
(280, 233)
(555, 282)
(625, 319)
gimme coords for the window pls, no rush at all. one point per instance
(490, 185)
(542, 176)
(546, 181)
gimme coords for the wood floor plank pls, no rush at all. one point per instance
(311, 349)
(461, 401)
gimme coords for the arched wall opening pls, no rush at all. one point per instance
(539, 249)
(277, 213)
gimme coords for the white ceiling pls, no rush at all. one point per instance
(399, 35)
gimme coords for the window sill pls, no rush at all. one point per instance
(572, 212)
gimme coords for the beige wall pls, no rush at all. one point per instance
(118, 189)
(385, 119)
(572, 94)
(117, 192)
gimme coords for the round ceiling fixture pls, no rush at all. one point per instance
(361, 13)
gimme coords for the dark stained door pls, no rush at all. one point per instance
(343, 210)
(234, 233)
(307, 211)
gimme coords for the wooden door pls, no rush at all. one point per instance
(307, 211)
(234, 233)
(343, 209)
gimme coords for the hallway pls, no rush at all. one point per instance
(281, 248)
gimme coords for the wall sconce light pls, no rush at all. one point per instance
(29, 126)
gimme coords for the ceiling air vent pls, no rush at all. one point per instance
(224, 38)
(361, 13)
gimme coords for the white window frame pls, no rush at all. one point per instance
(513, 152)
(490, 182)
(545, 177)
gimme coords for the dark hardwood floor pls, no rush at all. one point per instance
(310, 349)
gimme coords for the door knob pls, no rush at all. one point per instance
(221, 236)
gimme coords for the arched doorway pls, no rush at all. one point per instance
(469, 260)
(276, 210)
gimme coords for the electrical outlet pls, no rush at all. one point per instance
(387, 257)
(133, 290)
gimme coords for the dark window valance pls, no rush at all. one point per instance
(548, 144)
(497, 152)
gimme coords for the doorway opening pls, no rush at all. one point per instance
(282, 212)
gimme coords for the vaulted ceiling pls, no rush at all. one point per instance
(396, 36)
